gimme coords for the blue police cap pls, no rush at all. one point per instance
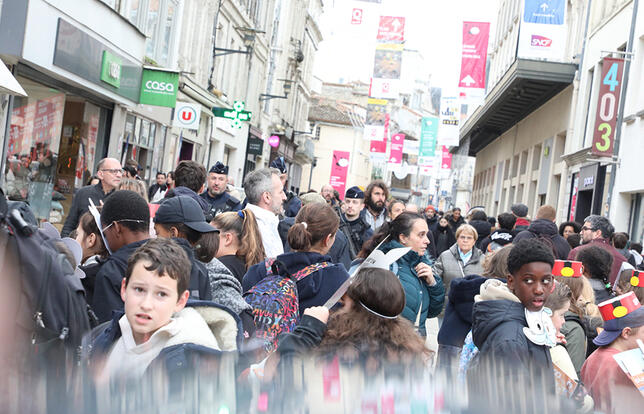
(354, 192)
(219, 168)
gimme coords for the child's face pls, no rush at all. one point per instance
(150, 300)
(558, 318)
(532, 284)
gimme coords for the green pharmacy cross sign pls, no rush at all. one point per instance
(236, 115)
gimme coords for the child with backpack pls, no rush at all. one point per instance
(597, 264)
(280, 289)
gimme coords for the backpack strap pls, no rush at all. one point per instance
(304, 272)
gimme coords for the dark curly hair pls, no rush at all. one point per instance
(597, 264)
(529, 251)
(576, 226)
(357, 330)
(128, 208)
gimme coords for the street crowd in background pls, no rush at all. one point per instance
(165, 281)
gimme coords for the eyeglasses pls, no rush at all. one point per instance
(118, 221)
(586, 228)
(114, 171)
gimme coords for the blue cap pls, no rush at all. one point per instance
(354, 192)
(183, 209)
(219, 168)
(280, 164)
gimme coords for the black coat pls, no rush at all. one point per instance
(458, 313)
(500, 236)
(80, 206)
(483, 228)
(546, 229)
(443, 238)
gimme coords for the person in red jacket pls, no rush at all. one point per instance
(597, 231)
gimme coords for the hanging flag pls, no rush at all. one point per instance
(448, 128)
(396, 151)
(607, 106)
(446, 162)
(391, 29)
(356, 16)
(339, 170)
(376, 118)
(428, 134)
(474, 57)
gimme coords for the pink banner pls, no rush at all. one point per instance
(378, 146)
(391, 29)
(339, 170)
(474, 55)
(395, 155)
(446, 162)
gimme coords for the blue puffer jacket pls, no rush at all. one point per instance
(418, 294)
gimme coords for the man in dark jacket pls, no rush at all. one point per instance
(215, 195)
(359, 231)
(544, 227)
(432, 217)
(513, 353)
(109, 172)
(455, 219)
(502, 236)
(292, 204)
(520, 211)
(478, 220)
(159, 186)
(189, 178)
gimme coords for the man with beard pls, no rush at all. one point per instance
(292, 204)
(216, 196)
(359, 230)
(327, 192)
(431, 217)
(157, 190)
(374, 212)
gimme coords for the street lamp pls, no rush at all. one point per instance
(287, 89)
(248, 40)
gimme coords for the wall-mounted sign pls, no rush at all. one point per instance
(187, 115)
(255, 146)
(236, 115)
(607, 106)
(274, 141)
(159, 88)
(111, 69)
(542, 34)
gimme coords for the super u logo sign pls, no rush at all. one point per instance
(187, 115)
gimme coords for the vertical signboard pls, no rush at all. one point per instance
(542, 34)
(474, 57)
(339, 170)
(448, 129)
(607, 105)
(428, 133)
(391, 29)
(396, 151)
(446, 158)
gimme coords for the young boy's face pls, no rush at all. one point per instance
(150, 300)
(532, 284)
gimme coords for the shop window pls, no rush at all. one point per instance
(157, 19)
(524, 162)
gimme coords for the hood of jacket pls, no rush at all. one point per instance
(462, 293)
(293, 262)
(185, 191)
(495, 289)
(483, 228)
(226, 289)
(543, 226)
(487, 315)
(411, 258)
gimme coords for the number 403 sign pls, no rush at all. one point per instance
(607, 105)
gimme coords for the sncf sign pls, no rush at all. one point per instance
(541, 41)
(187, 115)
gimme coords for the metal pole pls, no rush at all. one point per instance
(7, 130)
(622, 101)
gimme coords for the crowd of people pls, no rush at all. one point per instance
(186, 268)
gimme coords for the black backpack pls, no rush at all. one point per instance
(52, 310)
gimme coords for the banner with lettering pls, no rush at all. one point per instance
(339, 171)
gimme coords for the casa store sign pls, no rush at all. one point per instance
(159, 88)
(607, 106)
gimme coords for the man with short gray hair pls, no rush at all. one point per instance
(265, 196)
(597, 231)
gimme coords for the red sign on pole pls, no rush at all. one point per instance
(395, 155)
(391, 29)
(339, 170)
(378, 145)
(607, 106)
(474, 56)
(356, 16)
(446, 159)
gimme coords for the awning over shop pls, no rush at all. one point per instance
(9, 84)
(526, 86)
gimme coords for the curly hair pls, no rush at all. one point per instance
(529, 251)
(360, 331)
(575, 226)
(597, 264)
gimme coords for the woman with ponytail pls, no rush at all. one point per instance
(597, 263)
(240, 243)
(310, 239)
(424, 291)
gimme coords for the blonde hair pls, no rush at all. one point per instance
(243, 224)
(134, 185)
(496, 263)
(467, 228)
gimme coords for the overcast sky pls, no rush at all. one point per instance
(432, 27)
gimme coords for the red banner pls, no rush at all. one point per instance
(356, 16)
(391, 29)
(474, 55)
(607, 106)
(339, 170)
(379, 145)
(395, 155)
(446, 162)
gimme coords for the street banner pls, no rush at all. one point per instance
(428, 136)
(474, 57)
(387, 62)
(391, 29)
(384, 88)
(542, 33)
(446, 159)
(607, 106)
(396, 150)
(356, 16)
(411, 147)
(378, 146)
(373, 132)
(187, 115)
(448, 128)
(376, 112)
(339, 170)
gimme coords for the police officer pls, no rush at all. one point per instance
(216, 196)
(359, 229)
(293, 204)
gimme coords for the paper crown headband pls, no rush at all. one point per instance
(637, 278)
(568, 268)
(619, 307)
